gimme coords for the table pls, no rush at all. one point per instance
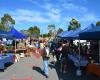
(75, 58)
(93, 68)
(6, 59)
(21, 50)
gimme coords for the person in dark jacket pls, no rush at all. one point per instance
(58, 50)
(64, 57)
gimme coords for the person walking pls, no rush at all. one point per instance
(46, 59)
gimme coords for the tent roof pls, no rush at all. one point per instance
(74, 34)
(5, 34)
(16, 34)
(91, 34)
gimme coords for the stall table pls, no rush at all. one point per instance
(75, 58)
(6, 59)
(93, 68)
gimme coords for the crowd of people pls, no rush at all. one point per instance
(59, 51)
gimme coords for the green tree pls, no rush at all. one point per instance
(45, 35)
(7, 21)
(1, 27)
(51, 28)
(24, 32)
(98, 23)
(59, 30)
(34, 30)
(49, 33)
(74, 24)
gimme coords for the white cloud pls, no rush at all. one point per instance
(54, 17)
(27, 12)
(89, 17)
(52, 12)
(21, 15)
(55, 11)
(51, 8)
(71, 6)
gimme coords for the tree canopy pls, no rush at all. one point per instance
(59, 30)
(34, 31)
(74, 24)
(51, 28)
(7, 21)
(7, 18)
(98, 23)
(1, 27)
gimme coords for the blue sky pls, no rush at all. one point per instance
(28, 13)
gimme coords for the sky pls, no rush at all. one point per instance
(29, 13)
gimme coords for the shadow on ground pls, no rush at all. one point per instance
(6, 66)
(38, 69)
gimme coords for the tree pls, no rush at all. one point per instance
(59, 30)
(98, 23)
(49, 33)
(45, 35)
(34, 31)
(24, 32)
(1, 27)
(51, 28)
(74, 24)
(7, 21)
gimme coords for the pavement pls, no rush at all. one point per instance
(30, 68)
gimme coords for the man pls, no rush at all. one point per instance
(45, 60)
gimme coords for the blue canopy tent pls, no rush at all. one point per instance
(73, 34)
(60, 34)
(65, 33)
(16, 34)
(5, 34)
(92, 34)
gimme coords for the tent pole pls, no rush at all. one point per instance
(79, 70)
(15, 45)
(99, 51)
(79, 54)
